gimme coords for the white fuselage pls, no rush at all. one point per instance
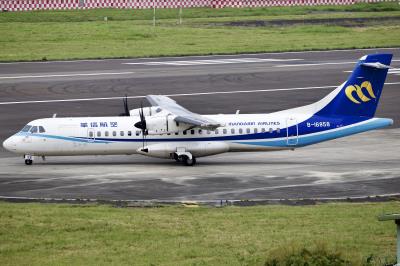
(117, 135)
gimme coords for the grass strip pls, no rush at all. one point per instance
(61, 234)
(58, 35)
(147, 14)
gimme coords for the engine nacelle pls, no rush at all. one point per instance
(197, 149)
(163, 124)
(147, 111)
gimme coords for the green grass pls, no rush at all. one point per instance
(128, 33)
(50, 234)
(147, 14)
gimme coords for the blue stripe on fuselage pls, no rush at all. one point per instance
(307, 135)
(304, 140)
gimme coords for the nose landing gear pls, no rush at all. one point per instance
(28, 159)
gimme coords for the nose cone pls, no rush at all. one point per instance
(9, 144)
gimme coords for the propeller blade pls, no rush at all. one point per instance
(126, 108)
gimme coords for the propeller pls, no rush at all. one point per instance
(142, 123)
(126, 108)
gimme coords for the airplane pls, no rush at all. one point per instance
(168, 130)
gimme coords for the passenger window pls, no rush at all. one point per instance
(106, 133)
(200, 131)
(248, 130)
(240, 131)
(184, 132)
(177, 133)
(255, 130)
(278, 130)
(192, 132)
(263, 130)
(121, 133)
(232, 131)
(98, 133)
(129, 133)
(90, 134)
(114, 133)
(271, 130)
(208, 132)
(34, 129)
(26, 128)
(225, 131)
(137, 133)
(216, 132)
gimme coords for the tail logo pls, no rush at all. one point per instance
(359, 90)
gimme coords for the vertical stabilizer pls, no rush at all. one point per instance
(359, 95)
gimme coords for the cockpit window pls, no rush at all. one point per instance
(41, 129)
(34, 129)
(26, 128)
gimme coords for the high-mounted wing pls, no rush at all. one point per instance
(182, 114)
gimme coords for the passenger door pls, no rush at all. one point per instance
(292, 131)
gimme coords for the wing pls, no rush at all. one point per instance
(182, 114)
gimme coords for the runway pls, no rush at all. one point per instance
(362, 165)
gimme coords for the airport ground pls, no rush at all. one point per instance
(359, 166)
(363, 166)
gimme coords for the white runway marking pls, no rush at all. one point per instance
(210, 62)
(177, 95)
(317, 64)
(66, 75)
(324, 64)
(394, 71)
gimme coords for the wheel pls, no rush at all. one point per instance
(177, 158)
(28, 162)
(189, 162)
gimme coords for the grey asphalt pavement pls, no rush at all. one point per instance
(361, 165)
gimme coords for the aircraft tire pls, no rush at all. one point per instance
(177, 158)
(28, 162)
(189, 162)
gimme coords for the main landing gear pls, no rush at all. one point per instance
(189, 162)
(185, 158)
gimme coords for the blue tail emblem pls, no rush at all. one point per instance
(361, 92)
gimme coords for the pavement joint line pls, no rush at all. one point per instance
(216, 55)
(66, 75)
(177, 95)
(85, 200)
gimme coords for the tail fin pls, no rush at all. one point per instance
(359, 95)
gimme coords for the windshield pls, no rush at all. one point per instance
(26, 128)
(34, 129)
